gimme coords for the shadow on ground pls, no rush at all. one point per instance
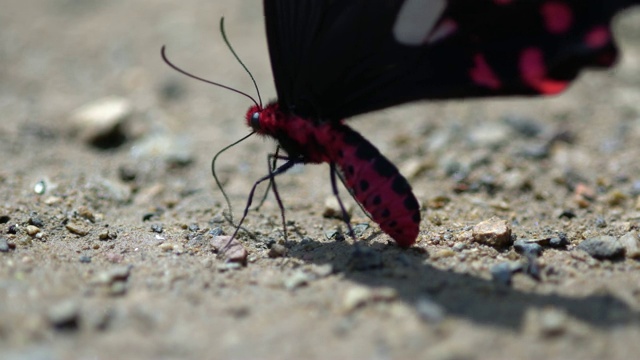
(461, 295)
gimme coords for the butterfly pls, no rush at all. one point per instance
(333, 59)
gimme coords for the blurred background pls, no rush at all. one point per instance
(96, 130)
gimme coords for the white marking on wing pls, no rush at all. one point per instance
(416, 19)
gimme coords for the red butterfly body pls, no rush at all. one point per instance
(334, 59)
(374, 181)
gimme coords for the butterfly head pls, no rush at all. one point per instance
(253, 118)
(265, 120)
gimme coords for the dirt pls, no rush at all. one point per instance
(106, 236)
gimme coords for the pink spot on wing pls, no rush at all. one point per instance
(445, 29)
(534, 73)
(598, 37)
(557, 16)
(482, 74)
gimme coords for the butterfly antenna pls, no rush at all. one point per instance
(215, 176)
(176, 68)
(226, 41)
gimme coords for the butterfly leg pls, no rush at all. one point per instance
(272, 164)
(273, 158)
(334, 188)
(272, 174)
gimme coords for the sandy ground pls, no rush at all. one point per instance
(105, 235)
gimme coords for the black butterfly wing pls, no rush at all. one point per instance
(333, 59)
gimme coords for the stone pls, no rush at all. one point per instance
(494, 232)
(631, 243)
(101, 123)
(602, 247)
(77, 228)
(231, 249)
(64, 315)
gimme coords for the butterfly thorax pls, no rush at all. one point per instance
(300, 137)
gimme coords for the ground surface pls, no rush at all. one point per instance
(84, 275)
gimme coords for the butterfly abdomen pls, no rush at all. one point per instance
(377, 184)
(372, 179)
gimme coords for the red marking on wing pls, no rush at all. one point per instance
(557, 16)
(598, 37)
(534, 73)
(482, 74)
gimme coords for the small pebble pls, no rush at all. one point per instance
(85, 259)
(277, 250)
(228, 266)
(232, 250)
(616, 198)
(415, 167)
(531, 267)
(489, 135)
(323, 270)
(194, 227)
(85, 213)
(107, 234)
(569, 214)
(172, 89)
(527, 248)
(356, 297)
(458, 247)
(207, 263)
(298, 279)
(331, 234)
(523, 126)
(195, 240)
(631, 243)
(157, 228)
(502, 273)
(430, 311)
(4, 244)
(174, 150)
(602, 247)
(359, 229)
(118, 273)
(127, 173)
(118, 288)
(101, 123)
(442, 253)
(359, 296)
(494, 232)
(601, 222)
(561, 241)
(216, 231)
(40, 187)
(77, 229)
(114, 257)
(4, 219)
(32, 230)
(166, 247)
(332, 209)
(363, 259)
(64, 315)
(36, 221)
(52, 200)
(438, 202)
(553, 322)
(97, 319)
